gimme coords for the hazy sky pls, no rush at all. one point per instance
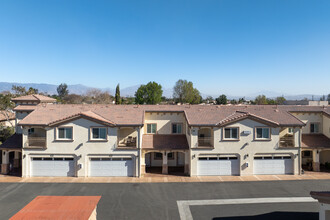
(235, 47)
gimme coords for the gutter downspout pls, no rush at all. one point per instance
(299, 152)
(139, 152)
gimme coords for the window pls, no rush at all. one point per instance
(262, 133)
(290, 130)
(231, 133)
(176, 128)
(31, 131)
(314, 128)
(151, 128)
(65, 133)
(307, 153)
(99, 133)
(170, 156)
(158, 156)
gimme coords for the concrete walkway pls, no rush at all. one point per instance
(157, 178)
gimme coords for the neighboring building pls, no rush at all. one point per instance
(195, 140)
(306, 102)
(7, 119)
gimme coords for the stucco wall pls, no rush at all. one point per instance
(81, 148)
(246, 148)
(309, 118)
(19, 117)
(326, 126)
(164, 121)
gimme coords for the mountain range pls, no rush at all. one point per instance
(130, 91)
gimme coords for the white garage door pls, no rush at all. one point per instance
(111, 167)
(217, 166)
(273, 165)
(52, 166)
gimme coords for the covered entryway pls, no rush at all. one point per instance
(57, 166)
(175, 163)
(218, 166)
(111, 167)
(272, 165)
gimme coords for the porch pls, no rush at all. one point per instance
(11, 156)
(127, 137)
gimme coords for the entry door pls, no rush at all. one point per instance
(180, 159)
(148, 159)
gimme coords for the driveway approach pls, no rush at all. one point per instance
(159, 200)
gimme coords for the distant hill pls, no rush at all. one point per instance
(130, 91)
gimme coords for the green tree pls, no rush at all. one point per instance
(117, 96)
(241, 100)
(62, 90)
(5, 133)
(184, 92)
(261, 100)
(280, 100)
(6, 105)
(32, 91)
(270, 101)
(222, 100)
(19, 90)
(149, 94)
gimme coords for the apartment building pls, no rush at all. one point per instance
(194, 140)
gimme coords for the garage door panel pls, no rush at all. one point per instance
(51, 167)
(272, 166)
(218, 167)
(111, 168)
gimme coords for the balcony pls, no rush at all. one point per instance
(36, 143)
(127, 138)
(205, 142)
(287, 141)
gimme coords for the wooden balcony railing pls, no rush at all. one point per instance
(205, 142)
(36, 142)
(287, 141)
(127, 141)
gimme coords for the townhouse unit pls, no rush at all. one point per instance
(193, 140)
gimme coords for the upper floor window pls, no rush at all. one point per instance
(314, 128)
(64, 133)
(151, 128)
(263, 133)
(290, 130)
(31, 131)
(99, 133)
(231, 133)
(176, 128)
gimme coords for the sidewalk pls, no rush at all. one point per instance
(165, 178)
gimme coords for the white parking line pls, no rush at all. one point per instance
(185, 213)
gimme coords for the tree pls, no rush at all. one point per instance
(261, 100)
(5, 133)
(241, 100)
(6, 105)
(19, 90)
(117, 96)
(184, 92)
(62, 90)
(96, 96)
(32, 91)
(221, 100)
(280, 100)
(322, 98)
(149, 94)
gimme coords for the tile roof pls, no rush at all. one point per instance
(197, 115)
(164, 142)
(5, 114)
(315, 141)
(25, 108)
(59, 207)
(13, 142)
(34, 97)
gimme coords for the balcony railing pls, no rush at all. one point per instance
(205, 142)
(127, 142)
(36, 142)
(287, 141)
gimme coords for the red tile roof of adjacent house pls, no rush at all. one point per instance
(165, 142)
(59, 207)
(7, 115)
(34, 97)
(26, 108)
(196, 115)
(315, 141)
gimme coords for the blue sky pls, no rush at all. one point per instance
(223, 46)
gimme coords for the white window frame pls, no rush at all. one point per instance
(152, 124)
(318, 127)
(262, 138)
(99, 138)
(231, 133)
(176, 124)
(290, 130)
(58, 133)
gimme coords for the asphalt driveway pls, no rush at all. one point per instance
(159, 200)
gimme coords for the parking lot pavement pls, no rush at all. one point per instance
(159, 200)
